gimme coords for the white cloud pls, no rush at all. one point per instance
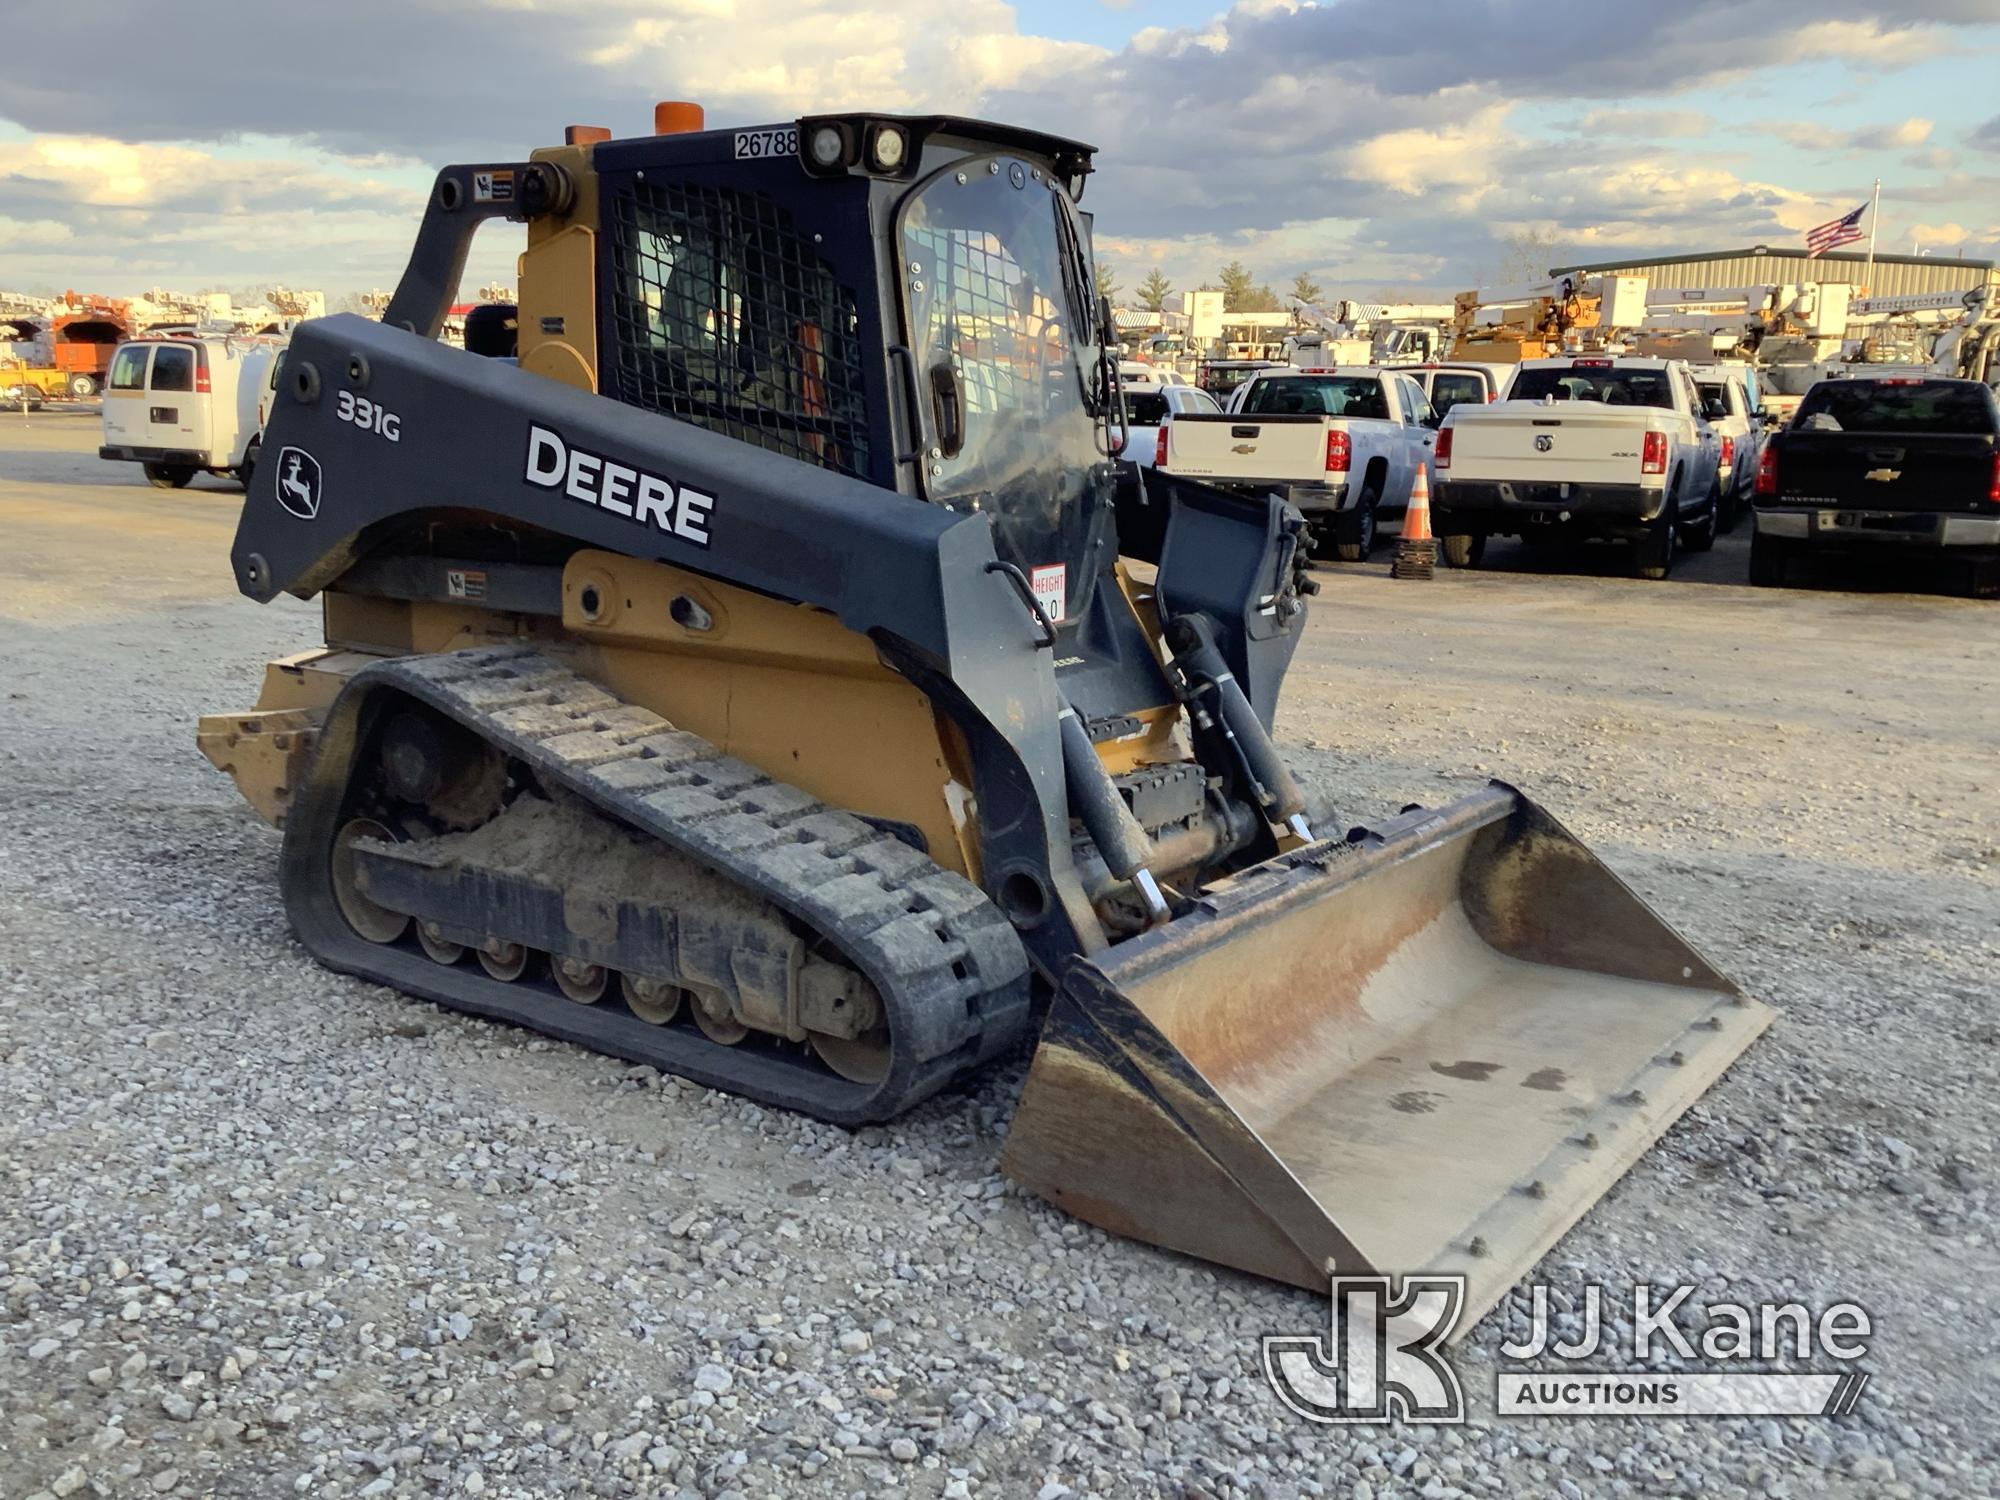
(1645, 124)
(117, 217)
(1936, 235)
(1456, 157)
(1899, 135)
(1866, 43)
(94, 172)
(996, 60)
(1364, 139)
(34, 234)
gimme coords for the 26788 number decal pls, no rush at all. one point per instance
(757, 144)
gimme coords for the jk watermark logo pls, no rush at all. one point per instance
(1382, 1357)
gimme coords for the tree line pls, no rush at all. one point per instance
(1524, 256)
(1241, 292)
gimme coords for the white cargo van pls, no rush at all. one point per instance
(178, 406)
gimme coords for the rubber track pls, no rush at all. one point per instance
(951, 971)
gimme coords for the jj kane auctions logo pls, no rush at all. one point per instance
(1382, 1357)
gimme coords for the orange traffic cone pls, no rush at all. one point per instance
(1417, 550)
(1417, 520)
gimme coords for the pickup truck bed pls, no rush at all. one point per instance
(1903, 463)
(1343, 445)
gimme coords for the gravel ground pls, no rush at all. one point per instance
(267, 1230)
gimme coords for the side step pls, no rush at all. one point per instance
(951, 973)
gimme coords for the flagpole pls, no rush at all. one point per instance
(1874, 218)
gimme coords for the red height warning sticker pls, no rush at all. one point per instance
(1050, 584)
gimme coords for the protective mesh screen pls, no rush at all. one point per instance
(980, 312)
(726, 317)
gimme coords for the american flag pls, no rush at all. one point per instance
(1834, 232)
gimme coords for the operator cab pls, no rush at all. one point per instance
(969, 366)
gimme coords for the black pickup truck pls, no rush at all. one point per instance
(1904, 462)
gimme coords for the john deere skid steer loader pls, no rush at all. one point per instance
(730, 665)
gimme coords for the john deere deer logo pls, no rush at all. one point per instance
(298, 483)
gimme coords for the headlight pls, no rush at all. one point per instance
(827, 146)
(887, 148)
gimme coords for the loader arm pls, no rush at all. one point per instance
(462, 199)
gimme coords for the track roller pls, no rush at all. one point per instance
(504, 960)
(437, 947)
(712, 1015)
(654, 1001)
(585, 983)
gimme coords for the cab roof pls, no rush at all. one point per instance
(1071, 158)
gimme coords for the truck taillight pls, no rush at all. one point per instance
(1339, 452)
(201, 369)
(1653, 458)
(1441, 454)
(1160, 447)
(1728, 449)
(1993, 489)
(1767, 472)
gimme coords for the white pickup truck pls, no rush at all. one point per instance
(1342, 444)
(1149, 410)
(1729, 400)
(1589, 447)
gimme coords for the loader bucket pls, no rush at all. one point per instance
(1429, 1049)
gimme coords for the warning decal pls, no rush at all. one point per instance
(1050, 583)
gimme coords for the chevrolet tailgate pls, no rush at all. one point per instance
(1222, 448)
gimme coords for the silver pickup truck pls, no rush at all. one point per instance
(1342, 444)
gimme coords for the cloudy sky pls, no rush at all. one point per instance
(1372, 143)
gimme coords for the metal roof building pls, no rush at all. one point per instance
(1766, 265)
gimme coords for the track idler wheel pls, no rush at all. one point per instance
(654, 1001)
(585, 983)
(858, 1059)
(375, 923)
